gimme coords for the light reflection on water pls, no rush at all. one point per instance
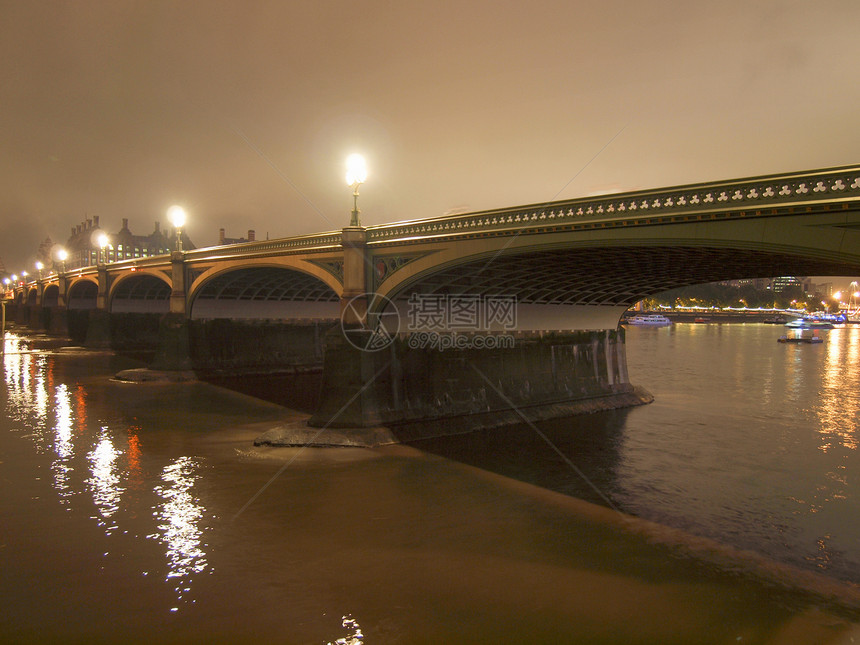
(179, 516)
(775, 444)
(426, 545)
(104, 481)
(54, 417)
(63, 445)
(838, 405)
(354, 637)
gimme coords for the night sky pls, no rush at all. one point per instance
(244, 111)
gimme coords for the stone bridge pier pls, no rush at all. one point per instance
(466, 381)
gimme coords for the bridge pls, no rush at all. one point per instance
(373, 304)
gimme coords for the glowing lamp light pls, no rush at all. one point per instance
(356, 174)
(356, 170)
(176, 214)
(62, 254)
(39, 266)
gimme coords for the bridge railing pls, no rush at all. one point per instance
(754, 193)
(299, 242)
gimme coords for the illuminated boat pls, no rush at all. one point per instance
(809, 323)
(649, 320)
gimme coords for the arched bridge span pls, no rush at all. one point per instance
(140, 292)
(264, 292)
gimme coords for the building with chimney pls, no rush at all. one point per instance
(83, 244)
(222, 240)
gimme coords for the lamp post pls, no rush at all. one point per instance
(39, 267)
(177, 218)
(24, 275)
(62, 254)
(103, 242)
(356, 174)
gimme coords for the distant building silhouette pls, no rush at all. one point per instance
(43, 254)
(234, 240)
(786, 282)
(83, 246)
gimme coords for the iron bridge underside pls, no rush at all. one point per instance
(614, 276)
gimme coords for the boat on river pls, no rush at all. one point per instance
(649, 320)
(809, 323)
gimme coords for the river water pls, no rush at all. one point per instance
(143, 513)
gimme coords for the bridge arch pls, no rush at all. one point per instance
(140, 292)
(51, 295)
(264, 291)
(82, 293)
(598, 277)
(32, 296)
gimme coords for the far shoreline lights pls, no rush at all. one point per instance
(356, 174)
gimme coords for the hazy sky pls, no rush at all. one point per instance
(244, 111)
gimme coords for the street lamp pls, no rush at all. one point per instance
(356, 174)
(103, 242)
(39, 267)
(62, 254)
(176, 214)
